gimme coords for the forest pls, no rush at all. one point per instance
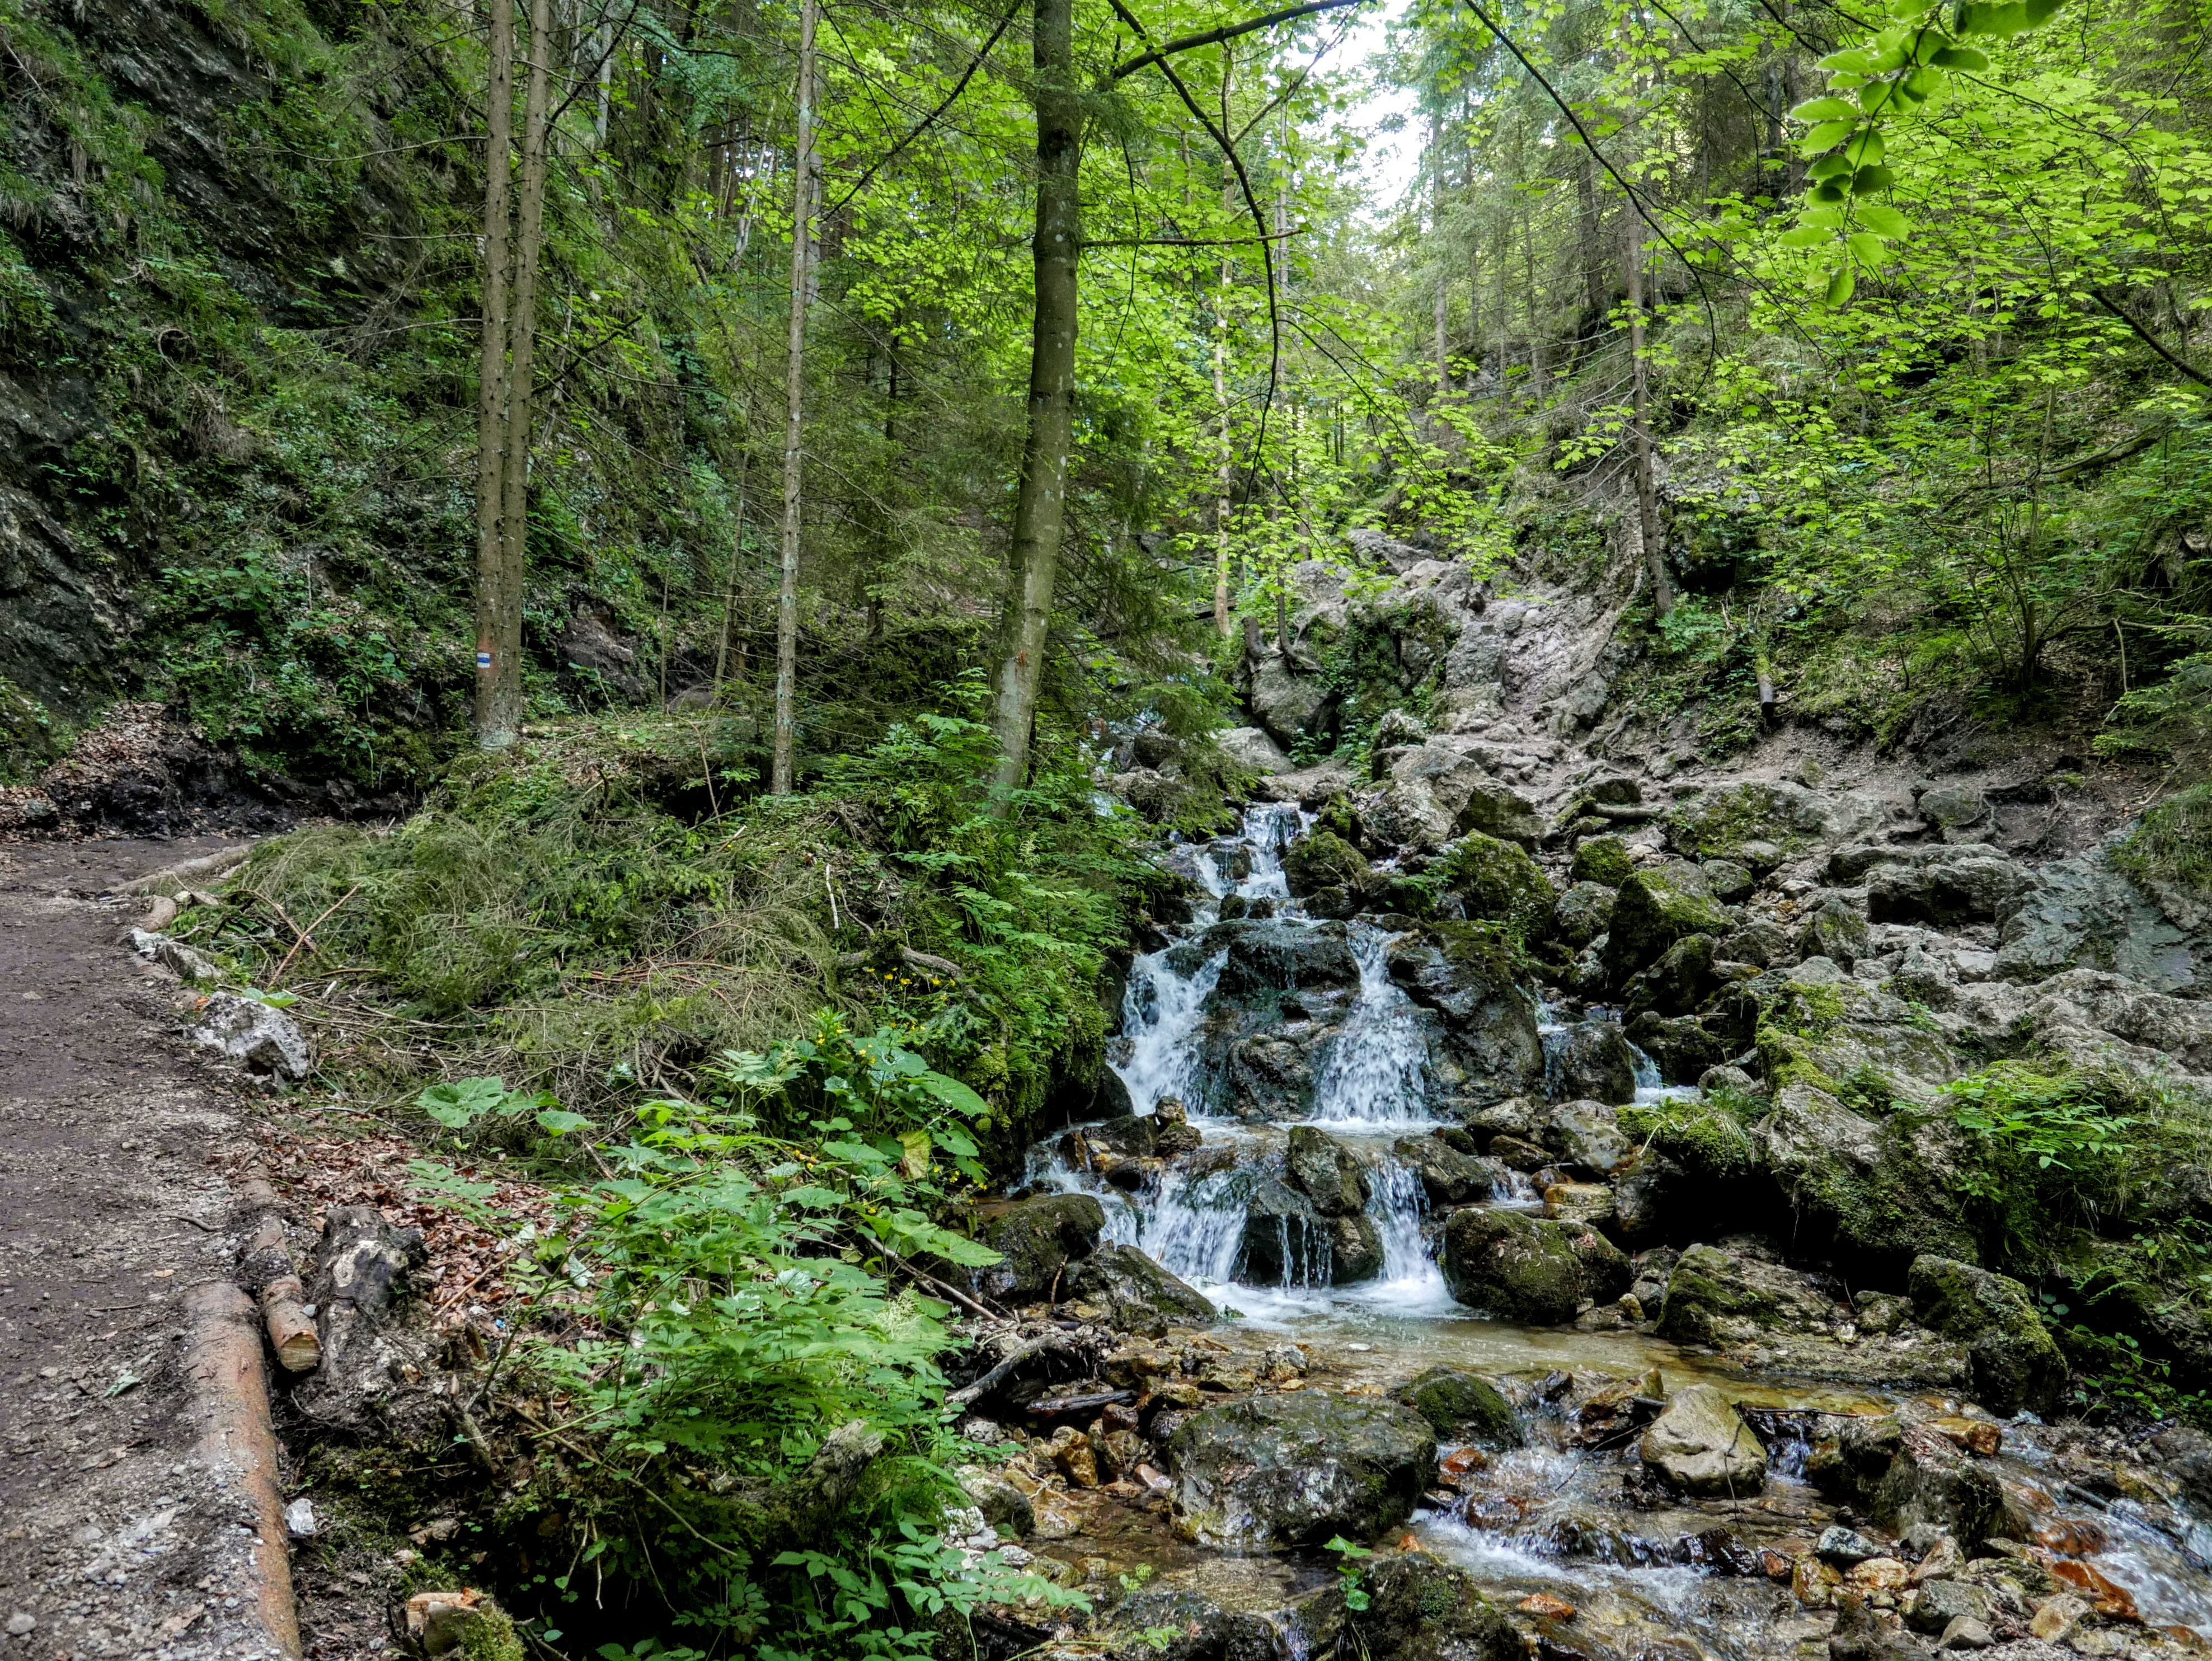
(898, 667)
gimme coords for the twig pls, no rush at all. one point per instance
(1052, 1340)
(1228, 32)
(277, 979)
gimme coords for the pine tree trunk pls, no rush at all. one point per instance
(1039, 509)
(802, 283)
(491, 373)
(1647, 490)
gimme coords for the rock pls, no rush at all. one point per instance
(1267, 959)
(1580, 915)
(1405, 816)
(1136, 1294)
(1939, 1603)
(1717, 824)
(1037, 1240)
(360, 1270)
(2084, 913)
(1967, 1633)
(1288, 705)
(2014, 1361)
(1950, 807)
(1587, 1203)
(1526, 1269)
(2055, 1618)
(1720, 1297)
(1701, 1444)
(1252, 750)
(1466, 977)
(1323, 1170)
(1833, 929)
(1762, 944)
(1005, 1506)
(1945, 886)
(1494, 881)
(1860, 1635)
(1679, 981)
(1415, 1608)
(194, 968)
(1731, 883)
(1843, 1546)
(1498, 810)
(1449, 1176)
(1277, 1472)
(1321, 859)
(1516, 1153)
(1680, 1046)
(1604, 861)
(267, 1041)
(1174, 1134)
(1881, 1190)
(1586, 1133)
(1288, 1243)
(1654, 908)
(1900, 1475)
(1590, 1061)
(21, 1622)
(1461, 1406)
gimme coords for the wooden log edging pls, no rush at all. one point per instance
(237, 1445)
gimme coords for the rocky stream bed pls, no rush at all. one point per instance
(1617, 1296)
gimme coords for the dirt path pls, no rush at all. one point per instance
(112, 1202)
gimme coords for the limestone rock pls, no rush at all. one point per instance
(1449, 1176)
(2083, 913)
(1287, 705)
(1321, 859)
(1721, 1297)
(1945, 886)
(1037, 1240)
(1603, 859)
(1136, 1294)
(1655, 907)
(1527, 1269)
(1586, 1133)
(1272, 1473)
(1415, 1608)
(1494, 881)
(1465, 976)
(1324, 1171)
(1582, 914)
(1464, 1407)
(1882, 1190)
(1250, 748)
(1717, 822)
(1590, 1062)
(1701, 1446)
(2014, 1360)
(266, 1040)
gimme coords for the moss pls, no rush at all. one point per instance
(2173, 844)
(1322, 859)
(1486, 953)
(1603, 859)
(492, 1637)
(1717, 824)
(1496, 882)
(1461, 1406)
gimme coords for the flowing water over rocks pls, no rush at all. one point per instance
(1548, 1258)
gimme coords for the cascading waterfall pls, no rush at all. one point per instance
(1376, 1072)
(1162, 1011)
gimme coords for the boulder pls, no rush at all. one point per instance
(1949, 807)
(264, 1039)
(1405, 814)
(1586, 1133)
(1590, 1061)
(1945, 886)
(1762, 944)
(1321, 859)
(1252, 750)
(1581, 914)
(1323, 1170)
(1289, 705)
(1466, 976)
(1883, 1190)
(1902, 1476)
(1036, 1239)
(1654, 908)
(1527, 1269)
(1494, 881)
(2083, 913)
(1449, 1175)
(1700, 1445)
(1288, 1243)
(1136, 1294)
(1720, 1297)
(1680, 981)
(1732, 883)
(1603, 859)
(1860, 1635)
(1939, 1602)
(1273, 1473)
(1717, 823)
(1832, 929)
(1680, 1046)
(1464, 1407)
(2014, 1363)
(1410, 1607)
(1273, 956)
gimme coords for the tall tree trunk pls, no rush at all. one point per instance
(1536, 363)
(1588, 216)
(491, 383)
(1225, 477)
(522, 329)
(1442, 319)
(1039, 509)
(1647, 488)
(737, 565)
(802, 261)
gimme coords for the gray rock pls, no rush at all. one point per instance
(1004, 1505)
(1136, 1294)
(194, 968)
(1954, 806)
(1274, 957)
(1449, 1176)
(268, 1041)
(1324, 1171)
(1967, 1633)
(1038, 1239)
(1250, 748)
(1763, 945)
(1655, 907)
(1462, 1407)
(1581, 914)
(1731, 883)
(1586, 1133)
(2083, 913)
(1487, 1046)
(1412, 1607)
(1862, 1635)
(1526, 1269)
(1844, 1546)
(1945, 886)
(1288, 1243)
(1590, 1061)
(1273, 1473)
(1833, 929)
(1939, 1603)
(2014, 1361)
(1701, 1446)
(1720, 822)
(1287, 705)
(1721, 1297)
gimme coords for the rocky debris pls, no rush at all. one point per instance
(1411, 1607)
(1939, 1603)
(262, 1037)
(370, 1373)
(1135, 1294)
(1527, 1268)
(1276, 1472)
(2014, 1361)
(1654, 908)
(1900, 1475)
(1463, 1407)
(1037, 1240)
(1701, 1444)
(1253, 750)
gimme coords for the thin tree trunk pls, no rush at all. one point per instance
(736, 566)
(1647, 490)
(1537, 365)
(491, 373)
(802, 261)
(1442, 318)
(1040, 507)
(506, 724)
(1588, 217)
(1225, 478)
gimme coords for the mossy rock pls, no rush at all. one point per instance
(490, 1636)
(1495, 882)
(1884, 1190)
(1603, 859)
(1463, 1407)
(1653, 909)
(1717, 824)
(1274, 1472)
(2014, 1361)
(1527, 1269)
(1323, 860)
(1715, 1296)
(1037, 1240)
(1412, 1607)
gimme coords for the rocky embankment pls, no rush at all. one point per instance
(1660, 1296)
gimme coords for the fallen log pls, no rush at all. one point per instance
(220, 863)
(237, 1446)
(928, 963)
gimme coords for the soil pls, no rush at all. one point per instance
(115, 1145)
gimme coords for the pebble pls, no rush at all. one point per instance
(1553, 1608)
(21, 1622)
(1967, 1633)
(1845, 1546)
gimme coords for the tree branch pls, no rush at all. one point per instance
(950, 99)
(1227, 32)
(2151, 340)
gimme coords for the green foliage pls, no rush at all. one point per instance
(2173, 844)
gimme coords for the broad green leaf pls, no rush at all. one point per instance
(1856, 60)
(1884, 222)
(1865, 149)
(1826, 109)
(1839, 288)
(1805, 236)
(459, 1104)
(914, 1157)
(1959, 58)
(1826, 136)
(954, 1094)
(1868, 180)
(1866, 247)
(560, 1122)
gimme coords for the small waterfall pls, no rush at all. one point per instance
(1196, 1223)
(1162, 1011)
(1376, 1071)
(1411, 1281)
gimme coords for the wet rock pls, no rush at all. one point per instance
(1731, 883)
(1590, 1061)
(1276, 1472)
(1881, 1189)
(1585, 1203)
(1449, 1176)
(1945, 886)
(1678, 982)
(1004, 1505)
(2083, 913)
(1287, 1242)
(1717, 824)
(1720, 1297)
(266, 1041)
(1493, 882)
(1174, 1132)
(1321, 859)
(1763, 945)
(2014, 1361)
(1037, 1240)
(1251, 749)
(1902, 1474)
(1268, 958)
(1465, 976)
(1415, 1608)
(1325, 1172)
(1526, 1269)
(1580, 915)
(1701, 1446)
(1270, 1077)
(1843, 1546)
(1654, 908)
(1498, 810)
(1518, 1153)
(1939, 1603)
(1464, 1407)
(1680, 1046)
(1586, 1133)
(1861, 1635)
(1136, 1294)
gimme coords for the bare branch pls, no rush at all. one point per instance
(1227, 32)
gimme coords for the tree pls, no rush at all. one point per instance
(802, 258)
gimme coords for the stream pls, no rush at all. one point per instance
(1647, 1575)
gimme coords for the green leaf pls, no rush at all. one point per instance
(954, 1094)
(1805, 236)
(1885, 222)
(1988, 17)
(1855, 60)
(559, 1121)
(1959, 58)
(459, 1104)
(1826, 109)
(1828, 166)
(1866, 180)
(2040, 12)
(1865, 149)
(1839, 288)
(1826, 136)
(914, 1154)
(1866, 247)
